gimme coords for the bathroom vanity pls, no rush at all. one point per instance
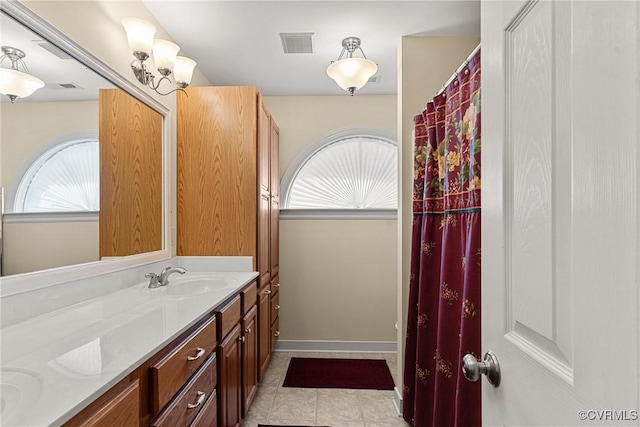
(171, 356)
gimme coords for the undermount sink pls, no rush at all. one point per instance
(197, 284)
(19, 389)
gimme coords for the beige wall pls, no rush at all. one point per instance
(337, 276)
(27, 127)
(38, 246)
(425, 64)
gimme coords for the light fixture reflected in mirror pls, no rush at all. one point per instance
(351, 73)
(141, 43)
(13, 82)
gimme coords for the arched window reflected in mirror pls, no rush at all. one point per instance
(65, 178)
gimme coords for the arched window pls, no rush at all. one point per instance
(63, 178)
(349, 172)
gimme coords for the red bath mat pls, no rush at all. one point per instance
(372, 374)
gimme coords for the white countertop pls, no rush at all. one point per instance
(54, 365)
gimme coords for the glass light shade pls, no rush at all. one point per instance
(164, 55)
(352, 72)
(17, 83)
(139, 34)
(183, 70)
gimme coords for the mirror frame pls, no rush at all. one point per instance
(20, 283)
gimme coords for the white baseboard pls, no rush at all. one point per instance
(397, 401)
(338, 346)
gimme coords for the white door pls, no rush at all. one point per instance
(560, 213)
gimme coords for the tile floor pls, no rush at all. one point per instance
(274, 404)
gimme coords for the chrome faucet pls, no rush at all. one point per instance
(163, 279)
(156, 281)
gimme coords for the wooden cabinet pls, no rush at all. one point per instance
(238, 354)
(274, 212)
(249, 358)
(173, 370)
(184, 408)
(230, 379)
(130, 136)
(229, 186)
(264, 224)
(264, 330)
(120, 406)
(193, 381)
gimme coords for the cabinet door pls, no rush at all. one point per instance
(216, 177)
(249, 359)
(263, 239)
(230, 379)
(130, 175)
(264, 132)
(275, 332)
(274, 159)
(264, 333)
(274, 238)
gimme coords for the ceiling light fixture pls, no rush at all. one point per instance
(141, 43)
(351, 73)
(13, 82)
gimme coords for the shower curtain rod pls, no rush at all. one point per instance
(455, 73)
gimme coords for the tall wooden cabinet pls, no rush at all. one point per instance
(229, 191)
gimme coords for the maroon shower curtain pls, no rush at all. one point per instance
(443, 321)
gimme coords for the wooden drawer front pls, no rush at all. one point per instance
(208, 415)
(184, 408)
(275, 333)
(170, 373)
(249, 297)
(122, 409)
(229, 316)
(275, 306)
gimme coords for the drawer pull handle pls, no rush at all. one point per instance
(242, 339)
(268, 292)
(276, 334)
(198, 355)
(248, 330)
(201, 397)
(276, 307)
(276, 285)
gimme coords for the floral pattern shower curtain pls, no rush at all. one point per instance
(444, 297)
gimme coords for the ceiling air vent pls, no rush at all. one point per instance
(69, 86)
(53, 49)
(297, 42)
(62, 86)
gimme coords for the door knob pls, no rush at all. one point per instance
(472, 368)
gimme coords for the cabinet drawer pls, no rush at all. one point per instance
(184, 408)
(121, 408)
(249, 297)
(208, 415)
(275, 306)
(229, 316)
(170, 373)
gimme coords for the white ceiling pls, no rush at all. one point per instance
(238, 42)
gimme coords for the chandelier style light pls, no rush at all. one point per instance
(13, 82)
(165, 53)
(351, 73)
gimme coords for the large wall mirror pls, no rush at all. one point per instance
(81, 163)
